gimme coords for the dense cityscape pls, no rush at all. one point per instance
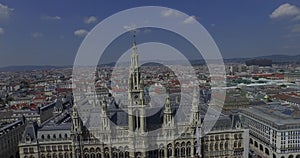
(231, 91)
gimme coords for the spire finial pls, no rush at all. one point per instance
(134, 41)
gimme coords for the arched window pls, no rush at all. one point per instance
(169, 153)
(226, 145)
(240, 144)
(221, 145)
(177, 152)
(54, 155)
(251, 141)
(121, 154)
(267, 151)
(256, 144)
(188, 149)
(211, 147)
(126, 154)
(261, 147)
(235, 144)
(161, 153)
(182, 151)
(216, 146)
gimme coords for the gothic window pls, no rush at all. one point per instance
(66, 155)
(182, 151)
(126, 154)
(177, 151)
(98, 155)
(121, 154)
(188, 150)
(115, 154)
(169, 153)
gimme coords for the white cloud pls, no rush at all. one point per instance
(90, 20)
(81, 33)
(51, 17)
(1, 31)
(169, 12)
(5, 11)
(286, 11)
(190, 20)
(37, 35)
(130, 27)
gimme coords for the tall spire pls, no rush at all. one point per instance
(134, 55)
(134, 42)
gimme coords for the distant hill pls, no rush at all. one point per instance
(283, 58)
(30, 67)
(274, 58)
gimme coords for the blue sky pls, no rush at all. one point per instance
(49, 32)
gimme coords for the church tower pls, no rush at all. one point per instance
(196, 123)
(76, 133)
(105, 122)
(196, 119)
(136, 107)
(136, 96)
(168, 126)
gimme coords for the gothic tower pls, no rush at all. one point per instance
(76, 134)
(168, 120)
(136, 96)
(196, 122)
(105, 122)
(136, 107)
